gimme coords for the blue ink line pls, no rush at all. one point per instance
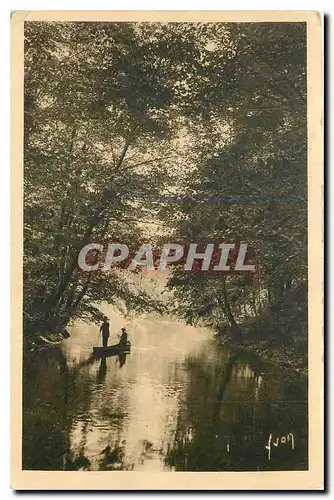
(180, 199)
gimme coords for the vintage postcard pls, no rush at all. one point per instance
(167, 239)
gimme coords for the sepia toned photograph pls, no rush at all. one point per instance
(166, 312)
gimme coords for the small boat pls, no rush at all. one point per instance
(112, 349)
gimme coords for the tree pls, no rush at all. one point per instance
(105, 107)
(257, 95)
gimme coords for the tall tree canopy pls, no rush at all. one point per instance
(260, 170)
(117, 111)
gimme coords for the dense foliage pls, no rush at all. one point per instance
(261, 172)
(117, 111)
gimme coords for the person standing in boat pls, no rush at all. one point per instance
(124, 337)
(104, 329)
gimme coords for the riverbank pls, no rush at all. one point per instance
(284, 356)
(279, 333)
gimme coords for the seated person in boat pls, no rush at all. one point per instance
(104, 329)
(124, 337)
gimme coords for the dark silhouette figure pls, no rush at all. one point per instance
(104, 329)
(124, 337)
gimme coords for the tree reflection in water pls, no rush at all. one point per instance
(45, 414)
(228, 414)
(51, 403)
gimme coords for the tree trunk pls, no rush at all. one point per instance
(235, 329)
(61, 288)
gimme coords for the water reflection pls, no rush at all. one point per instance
(122, 359)
(101, 375)
(177, 402)
(230, 412)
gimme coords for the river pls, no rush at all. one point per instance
(178, 402)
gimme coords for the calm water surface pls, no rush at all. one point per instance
(178, 402)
